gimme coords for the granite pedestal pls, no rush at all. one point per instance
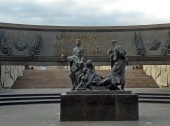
(99, 106)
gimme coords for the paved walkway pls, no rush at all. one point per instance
(49, 114)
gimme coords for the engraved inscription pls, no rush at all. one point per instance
(92, 42)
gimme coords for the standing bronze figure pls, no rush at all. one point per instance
(118, 63)
(76, 64)
(78, 50)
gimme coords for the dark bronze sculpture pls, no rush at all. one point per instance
(84, 77)
(78, 50)
(76, 64)
(118, 63)
(76, 69)
(89, 77)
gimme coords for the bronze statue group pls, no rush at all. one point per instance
(84, 77)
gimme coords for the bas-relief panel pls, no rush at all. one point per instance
(152, 43)
(97, 43)
(31, 43)
(20, 43)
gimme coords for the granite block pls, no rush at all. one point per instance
(99, 107)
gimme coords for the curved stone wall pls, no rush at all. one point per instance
(29, 44)
(44, 45)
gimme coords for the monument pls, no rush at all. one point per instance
(76, 64)
(95, 98)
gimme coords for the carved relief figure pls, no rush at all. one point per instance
(4, 45)
(154, 45)
(35, 50)
(139, 44)
(166, 46)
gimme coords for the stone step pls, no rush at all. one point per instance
(60, 79)
(153, 94)
(25, 95)
(153, 97)
(65, 73)
(26, 102)
(21, 99)
(166, 101)
(28, 98)
(129, 73)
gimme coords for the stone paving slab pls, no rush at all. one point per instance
(49, 115)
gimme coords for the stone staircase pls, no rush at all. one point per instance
(21, 99)
(154, 98)
(54, 98)
(138, 79)
(135, 78)
(43, 79)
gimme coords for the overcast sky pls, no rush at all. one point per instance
(85, 12)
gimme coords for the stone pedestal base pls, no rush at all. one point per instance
(99, 107)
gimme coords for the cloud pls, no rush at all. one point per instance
(84, 12)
